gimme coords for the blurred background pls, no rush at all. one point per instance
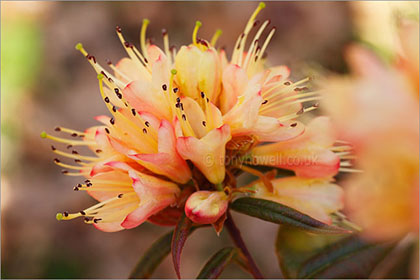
(45, 82)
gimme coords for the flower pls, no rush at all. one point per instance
(315, 197)
(184, 120)
(206, 207)
(377, 110)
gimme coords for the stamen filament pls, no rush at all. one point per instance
(215, 37)
(143, 37)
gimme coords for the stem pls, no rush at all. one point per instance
(235, 234)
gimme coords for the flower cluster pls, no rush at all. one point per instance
(185, 123)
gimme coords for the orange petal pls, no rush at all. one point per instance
(207, 153)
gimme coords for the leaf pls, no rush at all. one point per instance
(152, 258)
(215, 265)
(348, 258)
(295, 246)
(178, 240)
(280, 214)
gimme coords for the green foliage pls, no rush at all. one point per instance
(216, 264)
(280, 214)
(294, 247)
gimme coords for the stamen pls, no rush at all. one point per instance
(143, 37)
(166, 45)
(67, 141)
(194, 35)
(215, 37)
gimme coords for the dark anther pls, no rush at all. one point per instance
(177, 105)
(184, 117)
(57, 128)
(82, 212)
(87, 219)
(204, 123)
(79, 185)
(91, 57)
(116, 90)
(293, 124)
(97, 220)
(256, 23)
(110, 80)
(114, 109)
(74, 152)
(119, 95)
(77, 160)
(56, 160)
(106, 130)
(144, 131)
(103, 73)
(145, 60)
(164, 87)
(164, 32)
(75, 189)
(118, 29)
(74, 134)
(106, 99)
(133, 111)
(147, 124)
(64, 171)
(182, 106)
(120, 195)
(112, 121)
(66, 214)
(53, 148)
(109, 62)
(202, 95)
(208, 100)
(175, 90)
(265, 102)
(87, 181)
(98, 151)
(178, 99)
(89, 184)
(301, 110)
(287, 83)
(69, 146)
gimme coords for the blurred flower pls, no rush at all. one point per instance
(377, 110)
(188, 119)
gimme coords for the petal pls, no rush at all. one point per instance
(198, 71)
(130, 70)
(244, 115)
(308, 154)
(207, 153)
(155, 194)
(269, 129)
(167, 162)
(315, 197)
(235, 81)
(142, 97)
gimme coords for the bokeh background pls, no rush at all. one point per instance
(45, 82)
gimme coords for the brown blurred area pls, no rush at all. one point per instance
(46, 82)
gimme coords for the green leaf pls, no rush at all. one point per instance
(179, 237)
(154, 256)
(348, 258)
(294, 247)
(215, 265)
(280, 214)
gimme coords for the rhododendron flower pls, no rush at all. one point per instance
(315, 197)
(187, 120)
(377, 110)
(205, 207)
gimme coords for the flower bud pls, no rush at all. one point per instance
(206, 207)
